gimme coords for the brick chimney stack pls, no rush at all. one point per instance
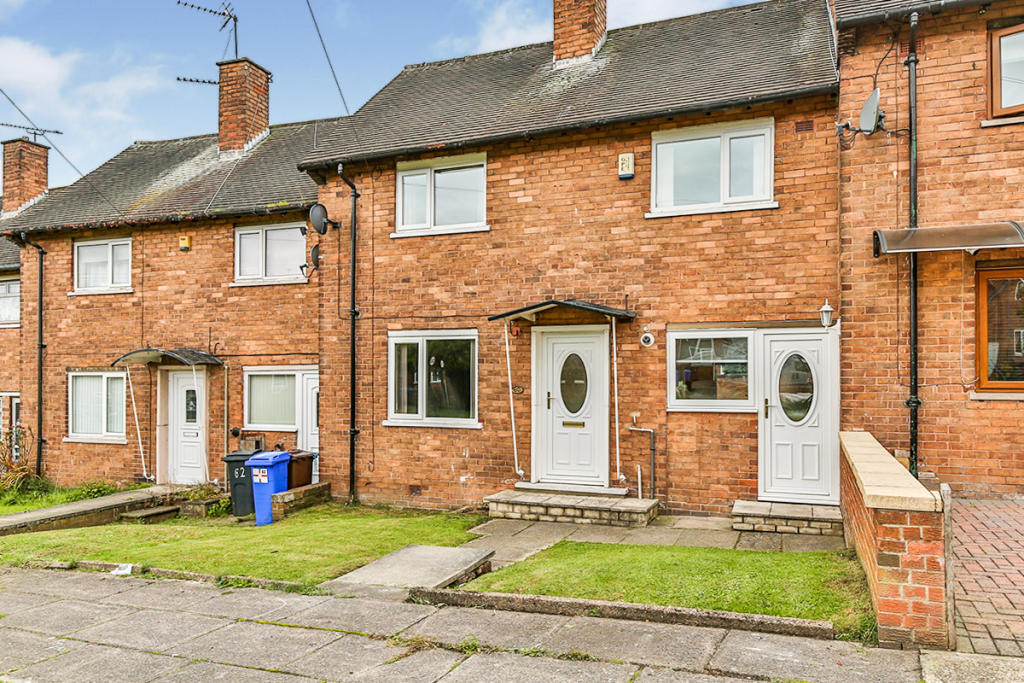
(244, 111)
(580, 28)
(25, 173)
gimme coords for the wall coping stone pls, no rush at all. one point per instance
(882, 480)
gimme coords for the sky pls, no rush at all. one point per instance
(103, 71)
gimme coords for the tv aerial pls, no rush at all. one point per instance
(32, 130)
(872, 118)
(225, 11)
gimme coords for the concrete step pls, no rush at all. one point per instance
(787, 518)
(151, 515)
(571, 490)
(561, 507)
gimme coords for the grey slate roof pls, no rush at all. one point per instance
(183, 179)
(767, 51)
(10, 255)
(853, 12)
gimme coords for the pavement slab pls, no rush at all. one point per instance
(201, 672)
(419, 566)
(357, 615)
(165, 594)
(494, 628)
(501, 527)
(513, 669)
(814, 661)
(758, 540)
(708, 538)
(11, 601)
(20, 648)
(658, 675)
(64, 617)
(638, 642)
(344, 658)
(652, 536)
(97, 664)
(808, 543)
(953, 667)
(72, 584)
(425, 666)
(598, 533)
(150, 630)
(254, 603)
(709, 523)
(264, 646)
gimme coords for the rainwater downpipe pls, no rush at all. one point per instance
(353, 315)
(40, 347)
(913, 401)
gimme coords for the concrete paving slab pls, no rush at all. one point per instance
(955, 667)
(706, 538)
(759, 540)
(97, 664)
(827, 513)
(597, 533)
(253, 603)
(344, 589)
(425, 666)
(711, 523)
(12, 601)
(514, 669)
(361, 616)
(507, 548)
(150, 630)
(64, 617)
(792, 510)
(816, 661)
(638, 642)
(501, 527)
(165, 594)
(494, 628)
(751, 508)
(344, 658)
(421, 566)
(652, 536)
(264, 646)
(658, 675)
(804, 543)
(19, 649)
(71, 584)
(201, 672)
(548, 533)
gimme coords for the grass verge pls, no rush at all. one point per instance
(44, 495)
(308, 546)
(823, 585)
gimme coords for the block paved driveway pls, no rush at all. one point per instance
(78, 626)
(989, 573)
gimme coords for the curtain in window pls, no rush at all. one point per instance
(87, 404)
(285, 252)
(272, 400)
(115, 405)
(92, 265)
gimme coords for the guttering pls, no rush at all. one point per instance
(21, 239)
(832, 87)
(353, 315)
(913, 401)
(878, 16)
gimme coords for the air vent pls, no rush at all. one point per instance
(805, 126)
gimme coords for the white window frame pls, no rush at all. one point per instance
(712, 405)
(299, 371)
(419, 419)
(262, 279)
(3, 282)
(105, 436)
(109, 287)
(726, 132)
(428, 167)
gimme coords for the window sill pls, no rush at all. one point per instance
(267, 283)
(1008, 121)
(425, 232)
(711, 409)
(112, 290)
(698, 210)
(996, 396)
(96, 439)
(9, 326)
(283, 429)
(443, 424)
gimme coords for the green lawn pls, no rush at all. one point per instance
(20, 501)
(308, 546)
(823, 585)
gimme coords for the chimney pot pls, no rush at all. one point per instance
(244, 103)
(580, 28)
(25, 173)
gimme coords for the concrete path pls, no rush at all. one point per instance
(513, 540)
(81, 513)
(60, 626)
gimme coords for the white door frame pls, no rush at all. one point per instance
(829, 401)
(538, 450)
(164, 419)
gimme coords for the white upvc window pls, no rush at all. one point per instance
(709, 370)
(103, 265)
(713, 168)
(440, 196)
(10, 301)
(272, 397)
(432, 378)
(96, 402)
(269, 254)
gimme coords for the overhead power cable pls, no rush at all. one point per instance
(319, 35)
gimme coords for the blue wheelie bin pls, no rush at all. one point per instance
(269, 476)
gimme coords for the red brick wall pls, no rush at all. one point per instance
(180, 299)
(244, 103)
(25, 172)
(563, 225)
(903, 556)
(578, 26)
(968, 174)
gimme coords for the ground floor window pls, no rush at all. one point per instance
(1000, 347)
(709, 370)
(273, 399)
(96, 404)
(432, 378)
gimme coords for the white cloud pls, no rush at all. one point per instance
(629, 12)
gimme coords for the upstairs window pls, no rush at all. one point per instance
(705, 169)
(1007, 59)
(441, 196)
(269, 254)
(103, 265)
(1000, 347)
(10, 301)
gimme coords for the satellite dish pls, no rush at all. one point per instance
(318, 217)
(870, 114)
(314, 256)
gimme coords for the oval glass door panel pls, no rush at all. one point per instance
(796, 387)
(574, 383)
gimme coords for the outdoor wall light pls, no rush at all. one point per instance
(825, 312)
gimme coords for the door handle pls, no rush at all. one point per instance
(766, 406)
(549, 400)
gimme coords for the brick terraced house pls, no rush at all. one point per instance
(25, 175)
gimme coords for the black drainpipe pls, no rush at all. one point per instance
(353, 314)
(914, 401)
(40, 346)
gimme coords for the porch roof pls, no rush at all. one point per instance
(970, 238)
(529, 312)
(185, 356)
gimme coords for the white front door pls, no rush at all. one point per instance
(186, 432)
(309, 427)
(799, 414)
(571, 405)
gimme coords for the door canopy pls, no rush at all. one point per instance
(530, 312)
(190, 357)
